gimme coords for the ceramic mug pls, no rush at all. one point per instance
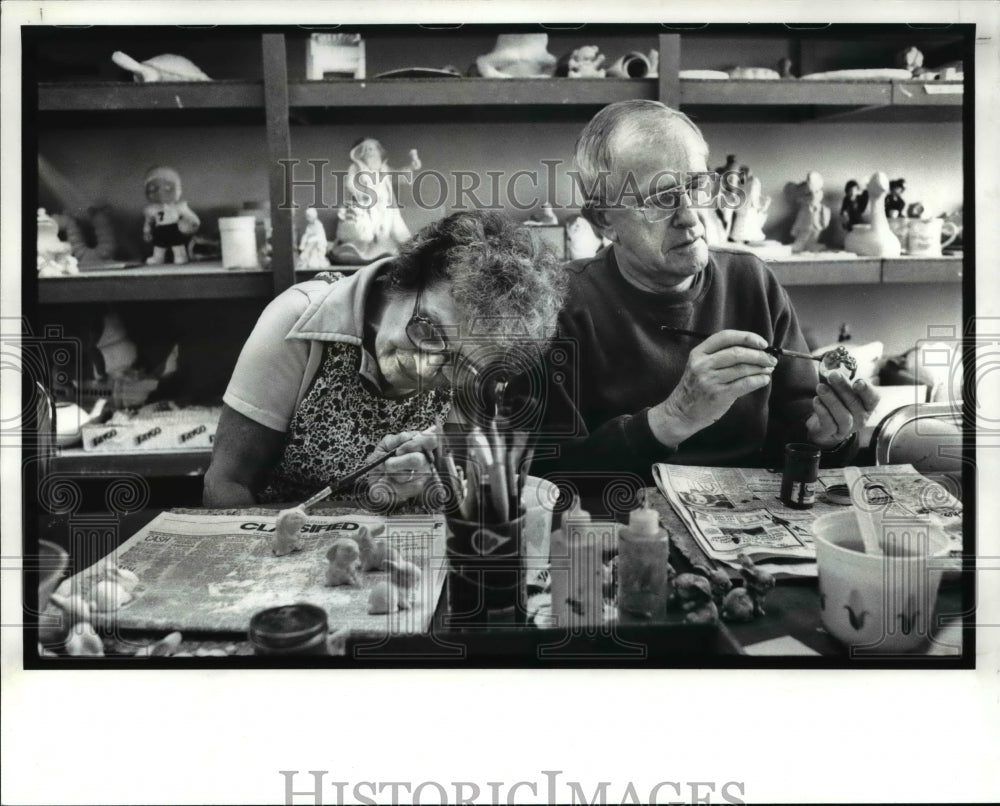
(878, 604)
(925, 236)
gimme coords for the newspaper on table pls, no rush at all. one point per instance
(213, 572)
(730, 511)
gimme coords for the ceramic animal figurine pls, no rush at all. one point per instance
(169, 222)
(374, 550)
(874, 239)
(718, 580)
(758, 582)
(370, 222)
(383, 598)
(517, 56)
(165, 67)
(405, 576)
(853, 207)
(53, 256)
(813, 217)
(312, 246)
(749, 217)
(285, 538)
(582, 241)
(738, 606)
(345, 559)
(583, 62)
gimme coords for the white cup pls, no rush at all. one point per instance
(878, 604)
(924, 236)
(239, 242)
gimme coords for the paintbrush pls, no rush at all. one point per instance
(771, 349)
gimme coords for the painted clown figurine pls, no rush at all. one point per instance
(169, 222)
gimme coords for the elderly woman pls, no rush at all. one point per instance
(338, 372)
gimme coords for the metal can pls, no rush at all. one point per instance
(298, 629)
(798, 481)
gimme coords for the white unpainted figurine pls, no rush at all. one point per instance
(370, 221)
(165, 67)
(405, 576)
(582, 241)
(169, 222)
(83, 641)
(108, 596)
(312, 246)
(345, 560)
(285, 539)
(749, 218)
(584, 62)
(55, 256)
(374, 550)
(384, 598)
(813, 217)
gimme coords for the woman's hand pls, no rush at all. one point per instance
(408, 472)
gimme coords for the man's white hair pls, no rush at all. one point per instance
(595, 158)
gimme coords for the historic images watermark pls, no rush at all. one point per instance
(518, 190)
(314, 787)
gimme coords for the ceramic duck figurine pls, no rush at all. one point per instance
(874, 239)
(165, 67)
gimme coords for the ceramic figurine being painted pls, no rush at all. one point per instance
(169, 222)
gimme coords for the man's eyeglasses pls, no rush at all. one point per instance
(702, 190)
(425, 334)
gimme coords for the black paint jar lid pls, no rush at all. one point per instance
(288, 628)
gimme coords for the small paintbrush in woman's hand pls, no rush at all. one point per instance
(771, 349)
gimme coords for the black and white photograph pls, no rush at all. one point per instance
(386, 385)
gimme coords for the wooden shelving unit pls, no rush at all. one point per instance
(167, 282)
(112, 96)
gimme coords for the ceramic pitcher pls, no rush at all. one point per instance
(924, 236)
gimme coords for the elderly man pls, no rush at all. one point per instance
(636, 393)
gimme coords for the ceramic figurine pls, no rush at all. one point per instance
(545, 217)
(875, 239)
(165, 67)
(785, 67)
(731, 179)
(813, 217)
(749, 217)
(53, 256)
(758, 582)
(345, 559)
(895, 205)
(853, 207)
(285, 538)
(169, 222)
(756, 73)
(517, 56)
(374, 550)
(371, 224)
(636, 65)
(738, 606)
(406, 577)
(312, 246)
(583, 62)
(383, 598)
(581, 239)
(911, 59)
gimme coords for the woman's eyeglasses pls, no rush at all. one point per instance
(425, 334)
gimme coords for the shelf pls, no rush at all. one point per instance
(784, 92)
(165, 95)
(922, 270)
(468, 92)
(149, 283)
(143, 463)
(865, 270)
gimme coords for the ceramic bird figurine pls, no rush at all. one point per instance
(874, 239)
(165, 67)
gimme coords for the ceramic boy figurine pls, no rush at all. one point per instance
(813, 216)
(853, 207)
(894, 202)
(169, 222)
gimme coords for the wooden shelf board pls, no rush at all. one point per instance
(927, 93)
(143, 463)
(784, 92)
(922, 270)
(468, 92)
(853, 271)
(167, 95)
(152, 283)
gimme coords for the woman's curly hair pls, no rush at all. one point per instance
(511, 286)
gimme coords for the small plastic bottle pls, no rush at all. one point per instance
(577, 571)
(643, 556)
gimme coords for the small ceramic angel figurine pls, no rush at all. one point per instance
(813, 217)
(312, 246)
(748, 221)
(169, 222)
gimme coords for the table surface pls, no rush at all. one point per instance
(790, 629)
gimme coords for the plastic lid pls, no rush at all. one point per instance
(287, 626)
